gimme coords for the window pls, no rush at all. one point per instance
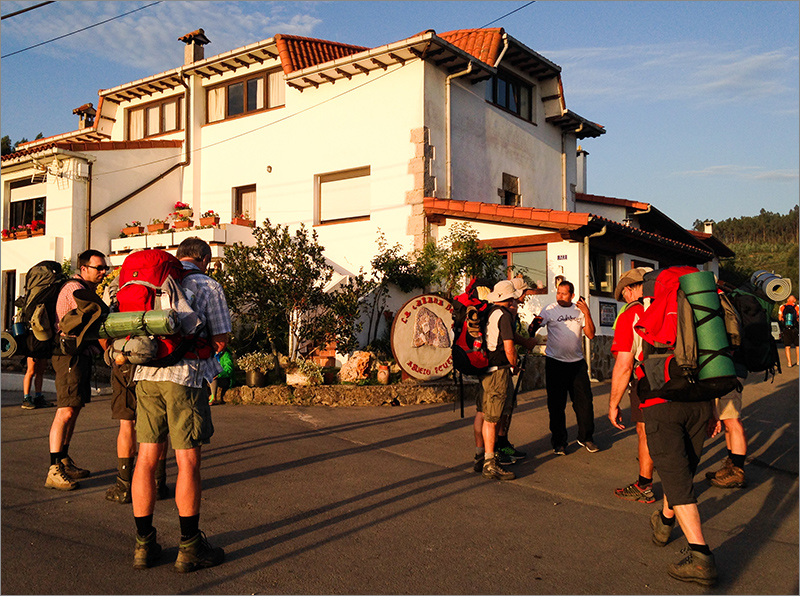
(245, 96)
(601, 274)
(343, 195)
(511, 94)
(155, 118)
(24, 212)
(244, 201)
(532, 264)
(510, 191)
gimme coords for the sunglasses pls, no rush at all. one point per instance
(100, 268)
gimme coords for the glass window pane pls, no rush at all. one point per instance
(170, 116)
(344, 197)
(153, 121)
(277, 90)
(216, 104)
(255, 94)
(533, 267)
(502, 92)
(235, 99)
(136, 125)
(513, 97)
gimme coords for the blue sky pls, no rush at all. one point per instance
(700, 99)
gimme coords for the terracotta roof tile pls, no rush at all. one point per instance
(484, 44)
(610, 201)
(298, 53)
(94, 146)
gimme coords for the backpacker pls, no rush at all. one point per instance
(37, 313)
(470, 314)
(686, 348)
(151, 280)
(758, 350)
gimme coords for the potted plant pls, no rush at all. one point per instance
(133, 228)
(23, 232)
(8, 234)
(209, 218)
(256, 366)
(37, 227)
(242, 219)
(183, 209)
(181, 219)
(157, 225)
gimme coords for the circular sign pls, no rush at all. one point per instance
(422, 337)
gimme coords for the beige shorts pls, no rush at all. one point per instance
(729, 406)
(168, 409)
(494, 399)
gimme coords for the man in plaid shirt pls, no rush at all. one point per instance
(173, 401)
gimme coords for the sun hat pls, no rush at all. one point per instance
(504, 290)
(630, 277)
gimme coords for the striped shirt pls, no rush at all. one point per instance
(208, 301)
(66, 299)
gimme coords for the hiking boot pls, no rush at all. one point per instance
(28, 403)
(732, 477)
(696, 567)
(162, 490)
(560, 450)
(589, 446)
(146, 552)
(510, 452)
(493, 469)
(120, 492)
(634, 492)
(661, 531)
(726, 463)
(197, 553)
(58, 479)
(73, 471)
(40, 402)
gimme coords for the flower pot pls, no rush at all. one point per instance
(383, 374)
(256, 378)
(186, 212)
(184, 223)
(209, 221)
(133, 230)
(157, 227)
(23, 234)
(37, 232)
(240, 221)
(9, 237)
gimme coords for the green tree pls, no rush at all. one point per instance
(459, 256)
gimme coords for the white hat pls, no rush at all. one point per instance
(504, 290)
(520, 284)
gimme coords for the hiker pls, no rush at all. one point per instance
(566, 371)
(167, 397)
(729, 411)
(787, 315)
(34, 375)
(627, 350)
(73, 376)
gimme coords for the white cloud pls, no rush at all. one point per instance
(743, 173)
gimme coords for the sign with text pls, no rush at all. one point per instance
(422, 337)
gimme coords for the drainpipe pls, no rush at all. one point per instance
(503, 51)
(448, 140)
(586, 342)
(89, 208)
(564, 166)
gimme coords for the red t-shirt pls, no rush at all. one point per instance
(627, 340)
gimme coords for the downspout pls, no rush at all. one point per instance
(448, 140)
(564, 166)
(89, 208)
(586, 341)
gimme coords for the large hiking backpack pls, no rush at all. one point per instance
(789, 316)
(470, 314)
(37, 305)
(686, 348)
(758, 351)
(151, 280)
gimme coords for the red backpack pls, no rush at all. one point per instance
(470, 314)
(151, 280)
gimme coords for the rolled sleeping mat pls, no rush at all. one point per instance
(150, 322)
(8, 344)
(774, 287)
(713, 355)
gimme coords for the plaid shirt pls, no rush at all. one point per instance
(209, 303)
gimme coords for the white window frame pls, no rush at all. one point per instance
(334, 187)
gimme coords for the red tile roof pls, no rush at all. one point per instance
(579, 196)
(494, 213)
(484, 44)
(94, 146)
(298, 53)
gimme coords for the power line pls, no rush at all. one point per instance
(79, 30)
(13, 14)
(507, 14)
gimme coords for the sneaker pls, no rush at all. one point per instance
(633, 492)
(40, 402)
(503, 459)
(146, 552)
(732, 477)
(511, 452)
(197, 553)
(477, 465)
(162, 490)
(726, 463)
(493, 469)
(72, 470)
(661, 531)
(28, 403)
(120, 492)
(560, 450)
(58, 479)
(696, 567)
(590, 446)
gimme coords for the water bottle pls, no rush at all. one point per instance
(789, 319)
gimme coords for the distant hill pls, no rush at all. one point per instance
(766, 241)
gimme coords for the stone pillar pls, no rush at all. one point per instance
(421, 167)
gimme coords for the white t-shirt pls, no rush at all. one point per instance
(564, 332)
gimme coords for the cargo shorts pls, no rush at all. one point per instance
(494, 398)
(73, 380)
(166, 409)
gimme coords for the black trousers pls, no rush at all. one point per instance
(569, 378)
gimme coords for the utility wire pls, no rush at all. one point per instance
(507, 14)
(13, 14)
(79, 30)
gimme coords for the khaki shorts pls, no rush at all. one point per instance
(164, 408)
(494, 399)
(729, 406)
(73, 380)
(123, 392)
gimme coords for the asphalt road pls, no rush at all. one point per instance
(384, 501)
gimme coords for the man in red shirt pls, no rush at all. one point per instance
(627, 349)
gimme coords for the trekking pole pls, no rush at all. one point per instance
(461, 391)
(521, 374)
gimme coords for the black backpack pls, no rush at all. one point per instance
(758, 351)
(789, 316)
(37, 307)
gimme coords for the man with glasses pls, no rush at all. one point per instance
(73, 376)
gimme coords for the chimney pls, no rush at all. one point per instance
(194, 46)
(581, 186)
(708, 227)
(87, 114)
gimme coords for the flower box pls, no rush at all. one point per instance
(157, 227)
(37, 232)
(26, 233)
(133, 230)
(163, 240)
(128, 243)
(209, 221)
(9, 237)
(184, 223)
(241, 221)
(184, 212)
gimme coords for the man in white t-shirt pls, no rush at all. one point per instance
(566, 371)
